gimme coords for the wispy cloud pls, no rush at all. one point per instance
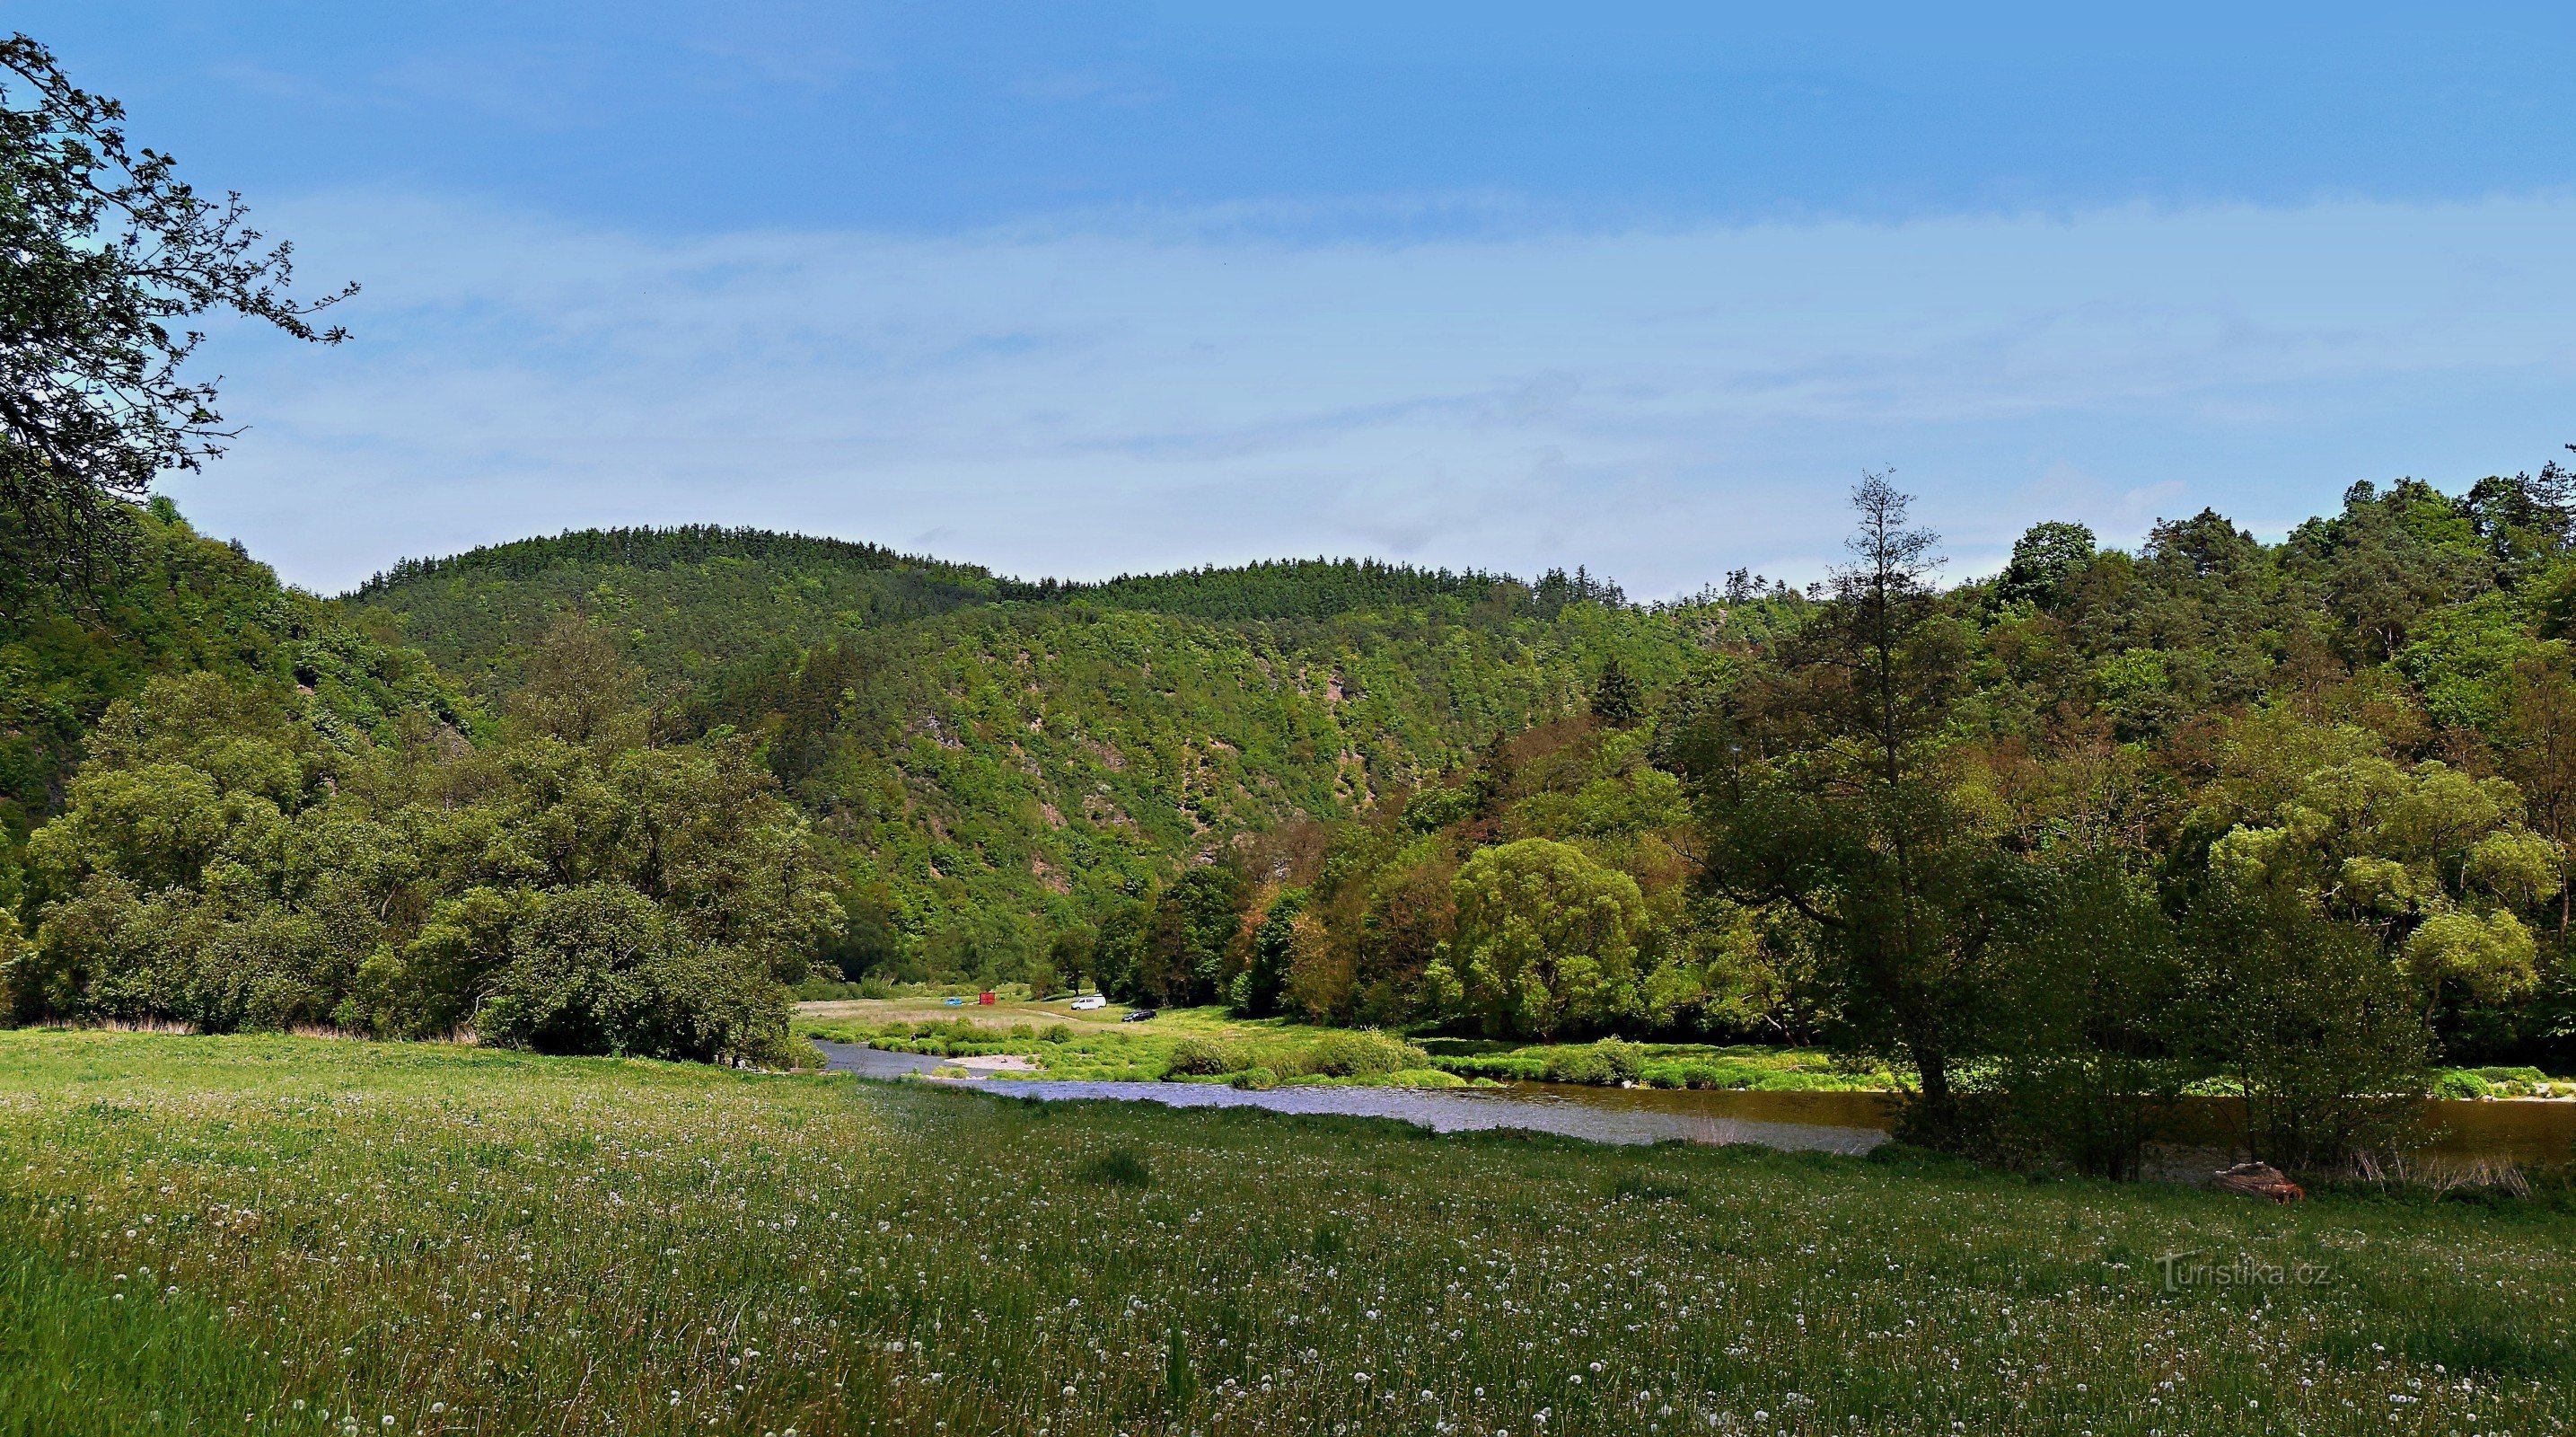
(1659, 403)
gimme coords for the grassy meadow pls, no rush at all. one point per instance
(281, 1235)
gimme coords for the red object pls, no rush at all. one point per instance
(986, 999)
(2260, 1180)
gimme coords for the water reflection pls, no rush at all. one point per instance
(2529, 1132)
(1795, 1122)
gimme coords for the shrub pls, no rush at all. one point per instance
(228, 864)
(574, 981)
(1256, 1079)
(2459, 1086)
(1612, 1060)
(1575, 1065)
(1357, 1054)
(816, 989)
(1627, 1061)
(1057, 1033)
(2324, 1035)
(1204, 1057)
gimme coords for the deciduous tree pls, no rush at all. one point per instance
(107, 260)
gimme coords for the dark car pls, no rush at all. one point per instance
(1141, 1015)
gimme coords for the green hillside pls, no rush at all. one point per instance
(996, 759)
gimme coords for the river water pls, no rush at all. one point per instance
(2528, 1131)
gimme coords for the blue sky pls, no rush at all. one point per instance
(1072, 288)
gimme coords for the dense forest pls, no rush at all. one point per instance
(993, 762)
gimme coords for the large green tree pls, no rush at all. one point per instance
(1547, 942)
(1828, 788)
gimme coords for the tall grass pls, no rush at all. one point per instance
(248, 1234)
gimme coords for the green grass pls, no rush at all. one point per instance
(1097, 1047)
(220, 1229)
(1658, 1065)
(1094, 1046)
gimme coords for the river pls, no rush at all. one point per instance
(2528, 1131)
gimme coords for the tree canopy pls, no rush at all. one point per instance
(107, 258)
(226, 861)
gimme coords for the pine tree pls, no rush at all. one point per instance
(1616, 700)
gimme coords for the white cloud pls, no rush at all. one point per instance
(1660, 404)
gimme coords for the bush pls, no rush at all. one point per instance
(1610, 1061)
(1575, 1065)
(1627, 1060)
(574, 980)
(1057, 1033)
(1204, 1057)
(2322, 1032)
(229, 864)
(1256, 1079)
(2459, 1086)
(1358, 1054)
(815, 989)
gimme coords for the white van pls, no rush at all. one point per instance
(1089, 1001)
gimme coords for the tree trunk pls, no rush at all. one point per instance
(1936, 1107)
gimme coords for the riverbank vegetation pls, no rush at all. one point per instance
(296, 1236)
(1180, 1044)
(1216, 1042)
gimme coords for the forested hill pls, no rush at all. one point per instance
(688, 601)
(682, 601)
(1001, 758)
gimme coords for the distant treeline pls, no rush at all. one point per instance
(658, 548)
(1321, 588)
(1265, 589)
